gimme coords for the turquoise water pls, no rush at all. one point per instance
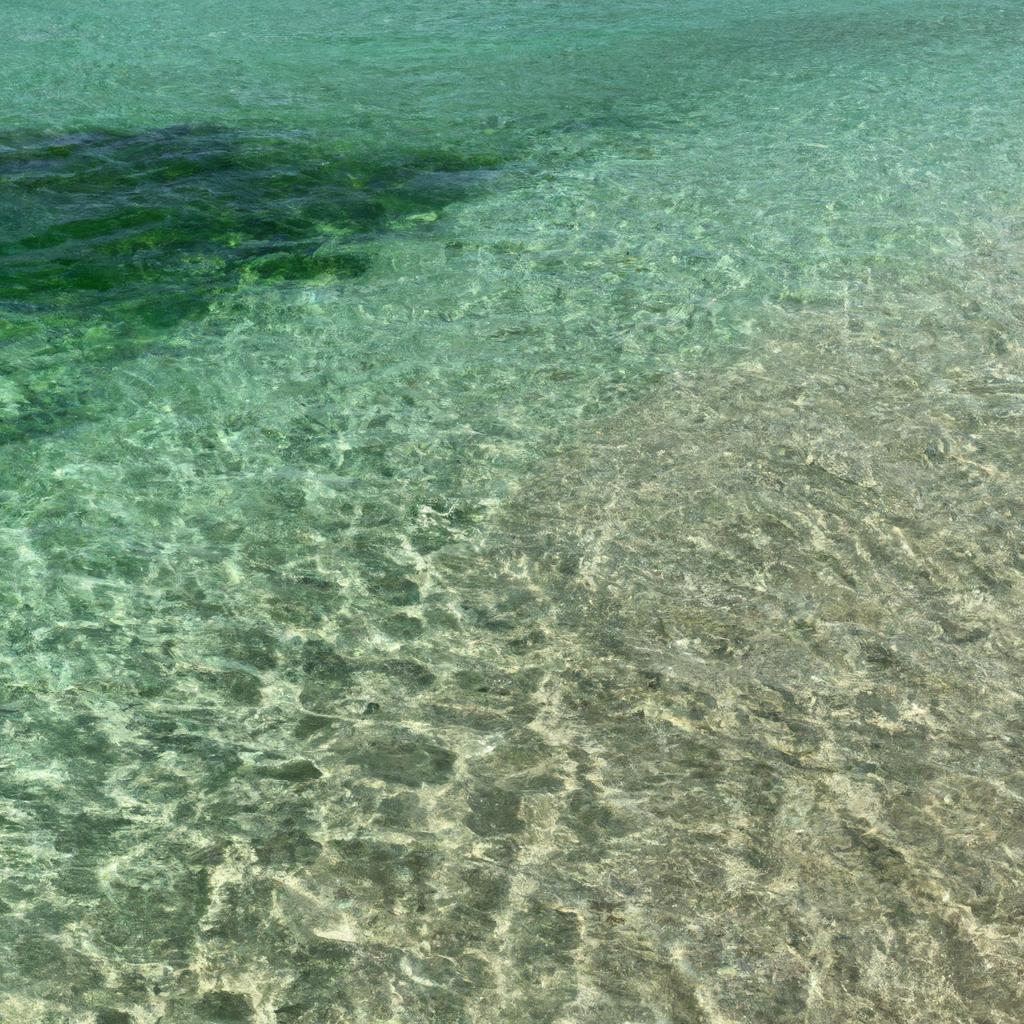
(511, 512)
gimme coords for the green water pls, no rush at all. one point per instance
(511, 512)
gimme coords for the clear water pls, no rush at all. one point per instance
(511, 512)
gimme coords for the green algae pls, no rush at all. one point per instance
(111, 240)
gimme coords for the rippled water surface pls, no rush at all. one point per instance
(511, 512)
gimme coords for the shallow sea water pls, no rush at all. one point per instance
(511, 512)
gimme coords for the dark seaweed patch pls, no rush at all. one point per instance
(107, 240)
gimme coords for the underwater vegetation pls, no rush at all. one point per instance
(109, 240)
